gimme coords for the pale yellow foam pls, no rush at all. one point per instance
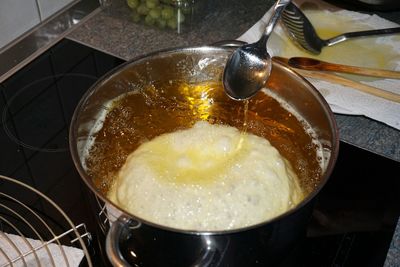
(209, 177)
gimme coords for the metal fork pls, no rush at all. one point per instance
(303, 33)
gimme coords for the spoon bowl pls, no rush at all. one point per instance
(249, 67)
(248, 71)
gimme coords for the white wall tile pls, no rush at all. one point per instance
(49, 7)
(16, 17)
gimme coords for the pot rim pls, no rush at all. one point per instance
(109, 75)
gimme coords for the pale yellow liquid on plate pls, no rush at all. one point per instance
(372, 52)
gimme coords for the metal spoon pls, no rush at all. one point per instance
(303, 33)
(249, 66)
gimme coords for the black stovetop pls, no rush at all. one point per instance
(355, 214)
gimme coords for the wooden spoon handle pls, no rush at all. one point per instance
(359, 70)
(306, 63)
(352, 84)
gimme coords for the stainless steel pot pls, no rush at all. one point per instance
(133, 241)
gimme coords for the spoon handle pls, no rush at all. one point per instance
(276, 14)
(319, 65)
(351, 35)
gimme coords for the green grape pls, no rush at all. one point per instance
(142, 9)
(167, 13)
(149, 20)
(132, 3)
(152, 3)
(155, 13)
(172, 23)
(135, 17)
(161, 23)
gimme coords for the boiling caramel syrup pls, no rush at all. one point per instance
(139, 116)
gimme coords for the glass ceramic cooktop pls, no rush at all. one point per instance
(353, 221)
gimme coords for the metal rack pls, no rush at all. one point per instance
(35, 231)
(107, 214)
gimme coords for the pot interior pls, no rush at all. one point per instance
(171, 90)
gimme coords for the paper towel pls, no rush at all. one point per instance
(12, 246)
(341, 99)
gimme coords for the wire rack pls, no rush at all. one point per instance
(35, 231)
(107, 214)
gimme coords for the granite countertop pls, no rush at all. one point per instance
(113, 32)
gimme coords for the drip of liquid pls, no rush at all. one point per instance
(244, 128)
(245, 111)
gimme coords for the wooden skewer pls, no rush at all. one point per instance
(350, 83)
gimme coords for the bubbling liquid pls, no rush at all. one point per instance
(162, 108)
(206, 178)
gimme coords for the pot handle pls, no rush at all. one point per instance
(119, 228)
(211, 256)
